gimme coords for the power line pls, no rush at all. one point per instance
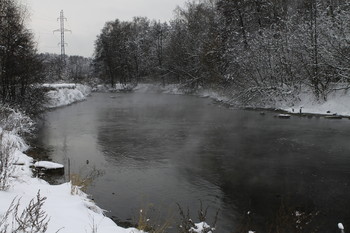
(62, 30)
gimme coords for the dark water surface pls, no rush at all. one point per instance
(158, 150)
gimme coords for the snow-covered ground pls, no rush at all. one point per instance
(337, 103)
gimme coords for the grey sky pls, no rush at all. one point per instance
(86, 18)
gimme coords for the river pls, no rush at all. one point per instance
(155, 150)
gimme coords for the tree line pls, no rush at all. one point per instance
(19, 62)
(254, 49)
(76, 69)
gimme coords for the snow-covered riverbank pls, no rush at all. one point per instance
(337, 102)
(64, 207)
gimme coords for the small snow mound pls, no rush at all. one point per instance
(48, 165)
(201, 228)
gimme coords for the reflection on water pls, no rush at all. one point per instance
(165, 149)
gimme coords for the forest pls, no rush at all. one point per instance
(254, 50)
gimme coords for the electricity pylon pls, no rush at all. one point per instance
(62, 30)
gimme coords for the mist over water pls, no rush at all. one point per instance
(158, 150)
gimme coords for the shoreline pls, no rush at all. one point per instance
(60, 208)
(309, 106)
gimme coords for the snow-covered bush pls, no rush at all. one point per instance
(189, 226)
(65, 94)
(201, 227)
(32, 219)
(13, 125)
(15, 121)
(6, 161)
(86, 90)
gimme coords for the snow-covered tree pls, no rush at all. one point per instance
(20, 66)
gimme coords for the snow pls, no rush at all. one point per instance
(340, 226)
(48, 165)
(68, 213)
(65, 94)
(201, 228)
(337, 103)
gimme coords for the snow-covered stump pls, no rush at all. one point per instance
(48, 167)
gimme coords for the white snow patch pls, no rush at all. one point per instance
(48, 165)
(337, 103)
(201, 228)
(340, 226)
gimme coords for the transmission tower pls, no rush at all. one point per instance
(62, 30)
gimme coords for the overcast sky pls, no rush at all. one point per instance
(86, 18)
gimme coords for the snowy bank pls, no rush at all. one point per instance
(337, 102)
(65, 94)
(58, 208)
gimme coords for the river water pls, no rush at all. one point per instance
(154, 150)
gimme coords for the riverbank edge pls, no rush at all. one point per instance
(335, 108)
(65, 207)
